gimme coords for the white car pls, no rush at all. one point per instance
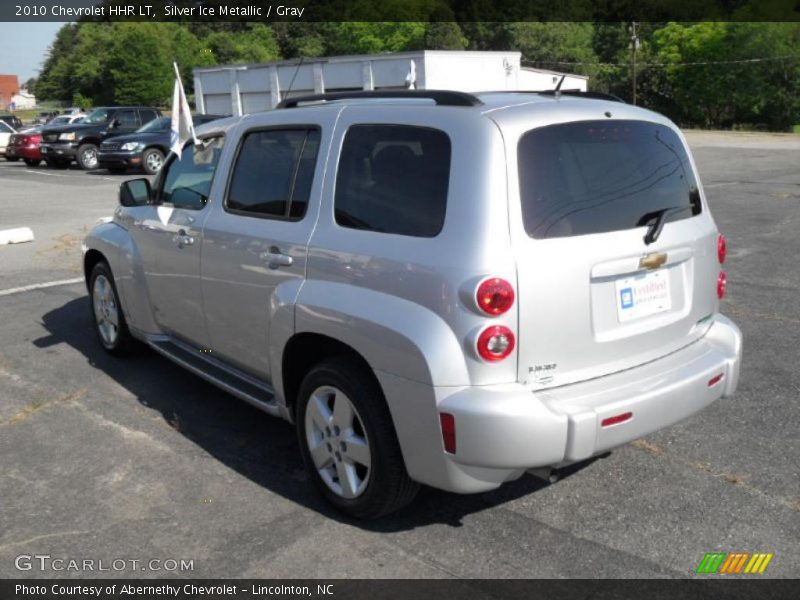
(5, 134)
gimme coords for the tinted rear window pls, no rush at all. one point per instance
(601, 176)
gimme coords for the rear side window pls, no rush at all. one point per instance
(393, 179)
(127, 118)
(600, 176)
(146, 116)
(273, 173)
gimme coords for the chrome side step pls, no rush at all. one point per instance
(248, 388)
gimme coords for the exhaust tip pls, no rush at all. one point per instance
(547, 474)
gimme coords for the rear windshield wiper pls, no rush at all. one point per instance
(656, 219)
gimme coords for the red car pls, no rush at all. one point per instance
(25, 145)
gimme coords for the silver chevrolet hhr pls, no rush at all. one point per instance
(435, 287)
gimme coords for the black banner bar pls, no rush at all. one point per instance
(733, 588)
(399, 10)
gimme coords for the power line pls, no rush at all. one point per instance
(662, 64)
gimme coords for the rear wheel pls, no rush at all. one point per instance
(12, 158)
(348, 441)
(152, 161)
(87, 157)
(32, 162)
(110, 325)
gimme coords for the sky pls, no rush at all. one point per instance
(23, 47)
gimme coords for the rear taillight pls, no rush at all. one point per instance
(495, 296)
(495, 343)
(722, 248)
(721, 283)
(448, 422)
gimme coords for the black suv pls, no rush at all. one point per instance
(147, 148)
(79, 141)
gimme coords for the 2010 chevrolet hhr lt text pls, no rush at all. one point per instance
(435, 287)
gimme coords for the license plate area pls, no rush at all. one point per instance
(642, 295)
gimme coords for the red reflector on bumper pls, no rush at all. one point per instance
(448, 422)
(616, 419)
(715, 379)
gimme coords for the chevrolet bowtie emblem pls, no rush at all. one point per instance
(653, 260)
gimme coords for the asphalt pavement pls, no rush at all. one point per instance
(106, 459)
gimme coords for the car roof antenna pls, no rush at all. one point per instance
(557, 93)
(291, 83)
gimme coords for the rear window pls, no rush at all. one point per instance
(393, 179)
(600, 176)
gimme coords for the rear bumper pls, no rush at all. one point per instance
(31, 152)
(503, 430)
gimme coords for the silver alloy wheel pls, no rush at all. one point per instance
(105, 310)
(154, 161)
(89, 156)
(337, 441)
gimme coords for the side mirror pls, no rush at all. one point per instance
(135, 192)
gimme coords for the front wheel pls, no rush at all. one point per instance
(152, 161)
(110, 325)
(32, 162)
(87, 157)
(348, 441)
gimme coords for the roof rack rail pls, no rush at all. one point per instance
(582, 94)
(440, 97)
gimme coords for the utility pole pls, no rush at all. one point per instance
(634, 48)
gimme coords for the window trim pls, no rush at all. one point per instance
(338, 165)
(284, 218)
(171, 157)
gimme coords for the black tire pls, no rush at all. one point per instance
(124, 343)
(150, 158)
(58, 163)
(87, 157)
(12, 158)
(32, 162)
(388, 486)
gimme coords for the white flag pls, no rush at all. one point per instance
(182, 126)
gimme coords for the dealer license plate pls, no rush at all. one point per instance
(642, 295)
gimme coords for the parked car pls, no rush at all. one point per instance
(435, 287)
(6, 131)
(66, 119)
(12, 120)
(25, 145)
(146, 148)
(62, 144)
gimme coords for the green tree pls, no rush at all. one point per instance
(257, 44)
(732, 74)
(56, 74)
(446, 35)
(139, 65)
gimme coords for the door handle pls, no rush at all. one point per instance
(183, 239)
(276, 258)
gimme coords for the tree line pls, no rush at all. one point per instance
(705, 74)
